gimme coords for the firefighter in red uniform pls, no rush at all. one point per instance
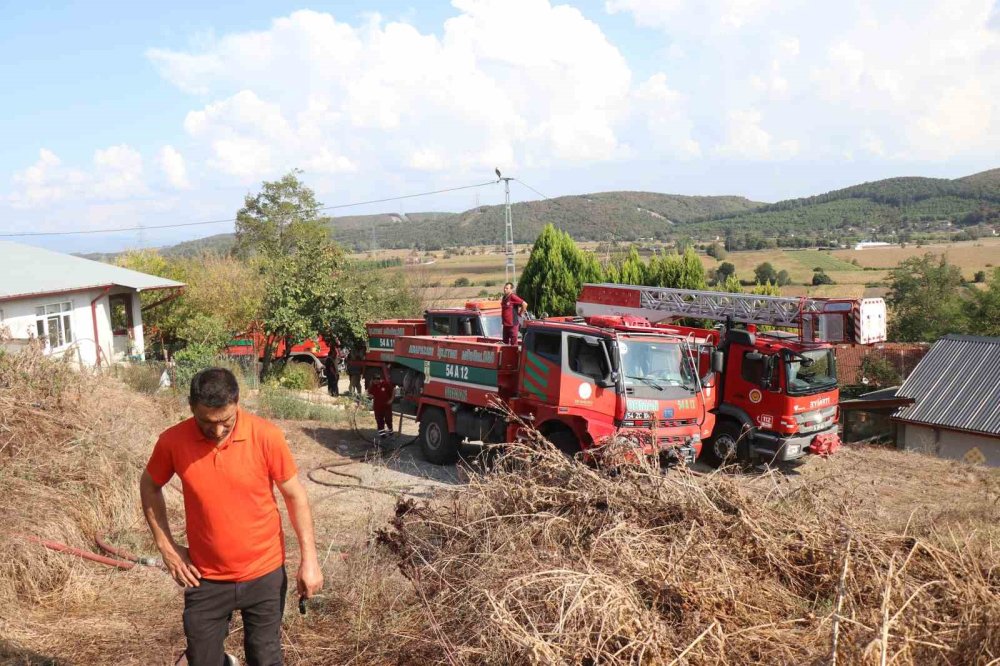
(381, 392)
(510, 318)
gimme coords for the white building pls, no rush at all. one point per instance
(85, 309)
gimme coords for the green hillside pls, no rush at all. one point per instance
(895, 207)
(890, 209)
(600, 216)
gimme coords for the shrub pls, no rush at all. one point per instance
(293, 376)
(461, 282)
(980, 276)
(821, 278)
(189, 361)
(141, 377)
(879, 371)
(279, 403)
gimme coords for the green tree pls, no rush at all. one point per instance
(784, 278)
(360, 296)
(279, 218)
(556, 270)
(925, 299)
(820, 277)
(717, 251)
(281, 229)
(724, 271)
(983, 308)
(731, 284)
(765, 273)
(631, 269)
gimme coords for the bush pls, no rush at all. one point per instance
(141, 377)
(279, 403)
(293, 376)
(980, 276)
(821, 278)
(879, 371)
(190, 360)
(461, 282)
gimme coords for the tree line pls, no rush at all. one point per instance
(558, 268)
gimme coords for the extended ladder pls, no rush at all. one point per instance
(861, 321)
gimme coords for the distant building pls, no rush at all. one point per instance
(956, 401)
(75, 307)
(866, 244)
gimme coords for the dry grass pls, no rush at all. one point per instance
(546, 561)
(72, 446)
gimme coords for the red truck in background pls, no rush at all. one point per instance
(779, 395)
(312, 351)
(577, 381)
(479, 317)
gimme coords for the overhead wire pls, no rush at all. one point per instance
(233, 219)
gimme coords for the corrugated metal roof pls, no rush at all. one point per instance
(26, 270)
(956, 385)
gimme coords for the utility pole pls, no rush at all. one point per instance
(508, 231)
(374, 245)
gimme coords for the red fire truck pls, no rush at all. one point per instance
(779, 396)
(577, 381)
(479, 318)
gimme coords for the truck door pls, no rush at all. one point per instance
(541, 359)
(584, 366)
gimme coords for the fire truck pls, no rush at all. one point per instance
(779, 396)
(577, 380)
(479, 318)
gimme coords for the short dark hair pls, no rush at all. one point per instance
(509, 283)
(214, 387)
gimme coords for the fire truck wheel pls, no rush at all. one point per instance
(723, 448)
(565, 441)
(439, 446)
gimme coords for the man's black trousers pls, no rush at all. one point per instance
(209, 608)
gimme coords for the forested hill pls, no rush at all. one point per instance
(894, 207)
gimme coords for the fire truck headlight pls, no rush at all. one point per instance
(792, 449)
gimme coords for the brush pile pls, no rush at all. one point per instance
(72, 447)
(548, 561)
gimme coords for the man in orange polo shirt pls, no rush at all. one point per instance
(229, 461)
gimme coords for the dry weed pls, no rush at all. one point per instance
(547, 561)
(72, 447)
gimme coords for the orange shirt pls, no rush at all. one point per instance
(233, 526)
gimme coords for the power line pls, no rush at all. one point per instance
(531, 188)
(196, 224)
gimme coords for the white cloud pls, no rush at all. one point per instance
(850, 77)
(173, 167)
(666, 117)
(115, 173)
(507, 84)
(746, 139)
(701, 16)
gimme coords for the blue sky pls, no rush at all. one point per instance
(120, 114)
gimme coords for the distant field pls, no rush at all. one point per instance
(486, 265)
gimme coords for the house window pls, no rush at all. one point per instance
(52, 323)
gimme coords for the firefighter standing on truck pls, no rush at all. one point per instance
(510, 318)
(381, 392)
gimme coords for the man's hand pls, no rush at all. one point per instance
(310, 579)
(178, 563)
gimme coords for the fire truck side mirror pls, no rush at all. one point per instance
(718, 361)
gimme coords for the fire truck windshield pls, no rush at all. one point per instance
(492, 327)
(810, 371)
(649, 367)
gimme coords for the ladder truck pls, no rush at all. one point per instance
(777, 392)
